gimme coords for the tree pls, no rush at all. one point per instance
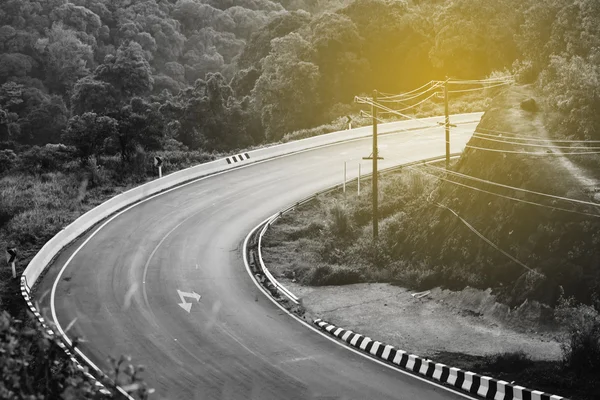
(127, 71)
(15, 64)
(67, 57)
(93, 95)
(44, 122)
(140, 124)
(259, 44)
(338, 53)
(88, 133)
(476, 38)
(287, 91)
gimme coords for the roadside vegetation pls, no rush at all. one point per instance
(92, 90)
(425, 243)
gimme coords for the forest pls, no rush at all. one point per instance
(90, 89)
(110, 77)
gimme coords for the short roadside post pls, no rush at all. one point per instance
(349, 120)
(158, 163)
(11, 256)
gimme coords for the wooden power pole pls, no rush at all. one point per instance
(447, 124)
(375, 157)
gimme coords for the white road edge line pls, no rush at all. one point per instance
(247, 265)
(53, 292)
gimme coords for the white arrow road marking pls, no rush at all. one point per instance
(182, 295)
(420, 294)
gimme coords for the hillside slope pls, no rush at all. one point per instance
(542, 246)
(559, 247)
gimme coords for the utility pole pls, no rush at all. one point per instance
(447, 124)
(375, 156)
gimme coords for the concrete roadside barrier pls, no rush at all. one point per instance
(470, 382)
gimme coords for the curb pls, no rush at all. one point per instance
(480, 385)
(25, 292)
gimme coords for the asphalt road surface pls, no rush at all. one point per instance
(122, 287)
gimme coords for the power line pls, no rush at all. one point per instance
(531, 138)
(392, 111)
(481, 236)
(410, 92)
(516, 188)
(366, 114)
(486, 239)
(401, 97)
(416, 104)
(529, 152)
(479, 81)
(476, 135)
(481, 88)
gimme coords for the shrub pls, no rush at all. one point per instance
(339, 221)
(581, 347)
(45, 159)
(28, 355)
(325, 275)
(319, 130)
(8, 160)
(310, 231)
(508, 362)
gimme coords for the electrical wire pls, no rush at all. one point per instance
(587, 203)
(531, 138)
(476, 135)
(400, 98)
(481, 88)
(392, 111)
(529, 152)
(479, 81)
(475, 231)
(366, 114)
(410, 92)
(480, 235)
(415, 105)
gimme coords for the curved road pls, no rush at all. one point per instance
(122, 287)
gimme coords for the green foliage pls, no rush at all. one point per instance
(339, 224)
(475, 38)
(127, 71)
(88, 132)
(326, 275)
(28, 356)
(570, 89)
(286, 90)
(511, 362)
(8, 160)
(581, 348)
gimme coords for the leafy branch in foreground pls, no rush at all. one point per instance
(34, 366)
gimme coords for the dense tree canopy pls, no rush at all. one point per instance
(272, 66)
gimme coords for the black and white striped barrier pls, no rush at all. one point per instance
(482, 386)
(237, 158)
(25, 292)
